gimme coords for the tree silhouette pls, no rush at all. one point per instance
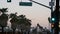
(3, 18)
(20, 20)
(13, 21)
(24, 23)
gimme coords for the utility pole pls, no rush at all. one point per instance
(56, 24)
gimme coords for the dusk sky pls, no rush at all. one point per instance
(36, 13)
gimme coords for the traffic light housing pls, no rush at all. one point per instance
(52, 25)
(59, 25)
(53, 17)
(8, 0)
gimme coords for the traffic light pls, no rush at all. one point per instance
(59, 25)
(8, 0)
(52, 25)
(53, 17)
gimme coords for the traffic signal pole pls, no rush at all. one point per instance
(40, 4)
(56, 24)
(54, 14)
(51, 5)
(52, 28)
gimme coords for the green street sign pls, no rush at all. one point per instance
(25, 3)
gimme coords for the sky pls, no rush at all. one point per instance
(36, 13)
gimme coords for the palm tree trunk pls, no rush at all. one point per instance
(2, 30)
(13, 31)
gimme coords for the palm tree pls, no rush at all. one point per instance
(20, 20)
(24, 22)
(13, 21)
(3, 18)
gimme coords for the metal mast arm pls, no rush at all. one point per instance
(40, 4)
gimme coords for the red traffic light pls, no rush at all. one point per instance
(52, 25)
